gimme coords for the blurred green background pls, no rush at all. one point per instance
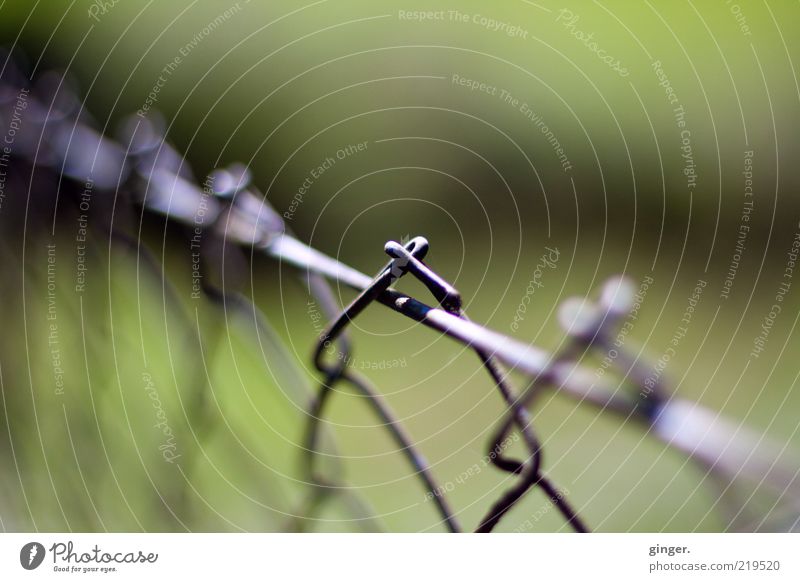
(474, 167)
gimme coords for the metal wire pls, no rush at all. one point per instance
(146, 171)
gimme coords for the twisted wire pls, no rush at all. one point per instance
(143, 169)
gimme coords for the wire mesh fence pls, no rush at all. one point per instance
(140, 171)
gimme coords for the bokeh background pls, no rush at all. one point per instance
(461, 114)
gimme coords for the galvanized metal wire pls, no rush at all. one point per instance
(144, 171)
